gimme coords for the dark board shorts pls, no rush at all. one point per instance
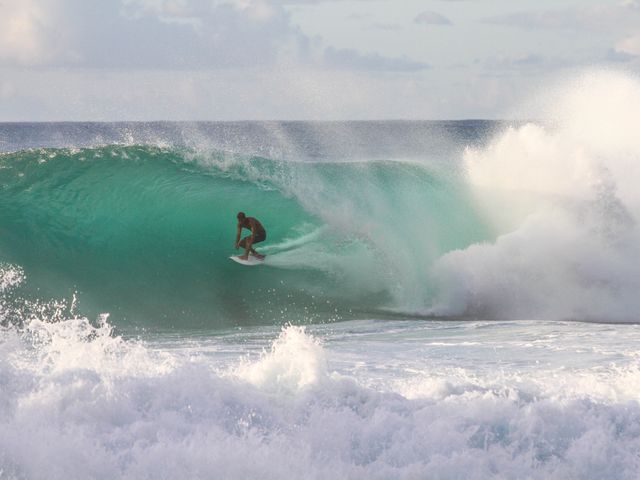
(260, 237)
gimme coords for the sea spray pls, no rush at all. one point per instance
(295, 361)
(570, 248)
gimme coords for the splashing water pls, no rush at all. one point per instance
(566, 200)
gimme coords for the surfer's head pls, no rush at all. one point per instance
(241, 216)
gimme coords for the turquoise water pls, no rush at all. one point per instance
(144, 233)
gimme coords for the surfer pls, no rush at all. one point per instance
(258, 234)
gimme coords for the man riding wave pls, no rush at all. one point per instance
(258, 234)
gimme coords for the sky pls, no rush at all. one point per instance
(105, 60)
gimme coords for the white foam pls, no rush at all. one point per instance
(10, 277)
(292, 243)
(572, 252)
(296, 361)
(78, 402)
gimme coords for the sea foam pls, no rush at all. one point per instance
(564, 197)
(78, 401)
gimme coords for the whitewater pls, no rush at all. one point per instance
(439, 299)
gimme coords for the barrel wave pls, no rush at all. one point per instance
(144, 233)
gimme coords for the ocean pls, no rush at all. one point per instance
(439, 300)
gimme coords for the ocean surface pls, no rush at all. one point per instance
(439, 300)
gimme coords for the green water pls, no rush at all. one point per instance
(144, 233)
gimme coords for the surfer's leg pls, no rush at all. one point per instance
(258, 239)
(246, 244)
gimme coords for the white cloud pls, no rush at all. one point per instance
(635, 4)
(360, 16)
(629, 46)
(7, 90)
(244, 59)
(166, 34)
(347, 58)
(32, 33)
(385, 26)
(593, 17)
(517, 62)
(102, 95)
(431, 18)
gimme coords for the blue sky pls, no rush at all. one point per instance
(300, 59)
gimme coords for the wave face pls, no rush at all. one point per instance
(538, 222)
(144, 233)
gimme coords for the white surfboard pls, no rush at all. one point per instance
(251, 262)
